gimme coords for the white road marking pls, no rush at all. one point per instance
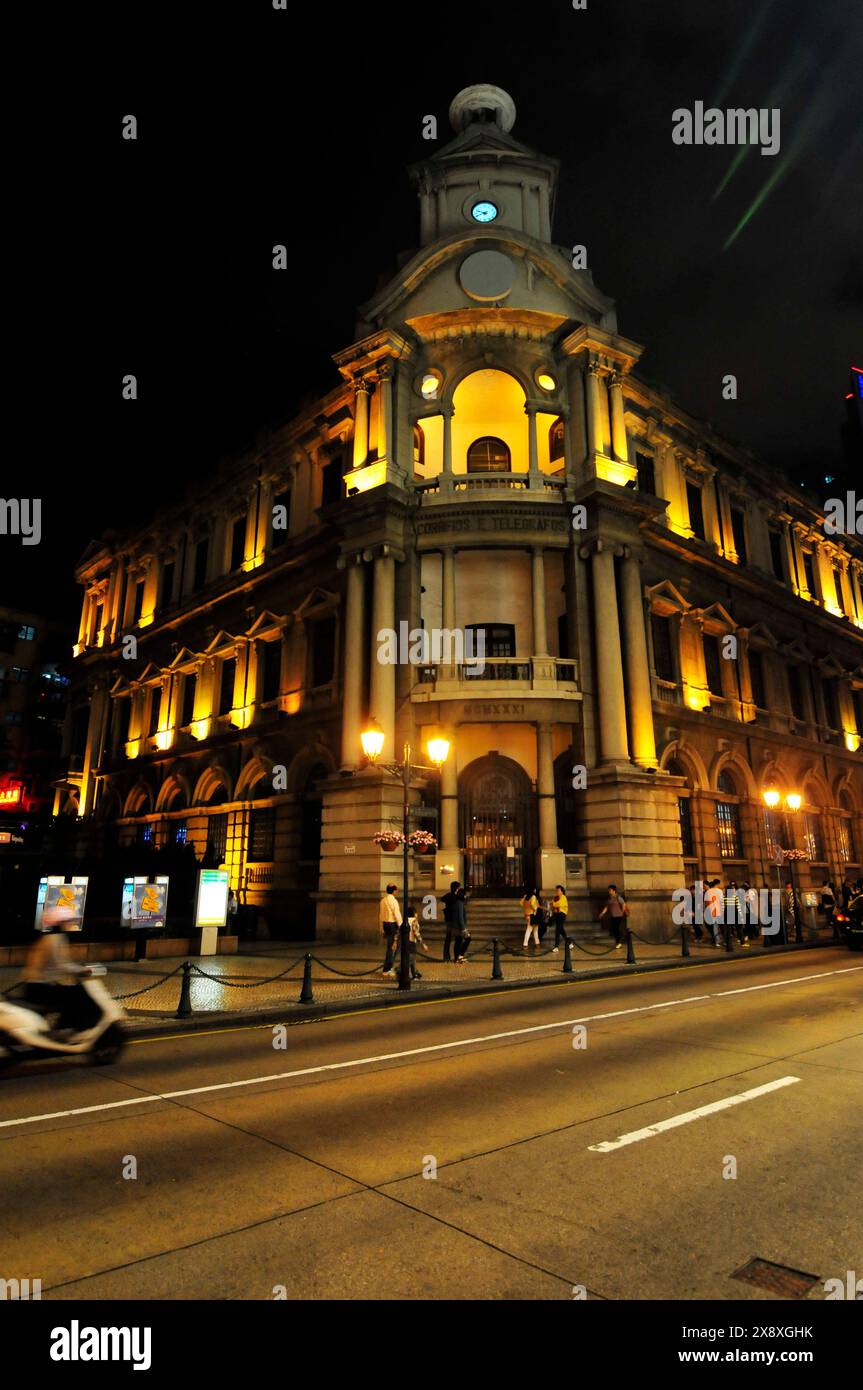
(686, 1118)
(414, 1051)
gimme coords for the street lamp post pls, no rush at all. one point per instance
(791, 802)
(372, 740)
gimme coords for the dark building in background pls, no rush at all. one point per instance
(35, 663)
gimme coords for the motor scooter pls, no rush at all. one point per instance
(26, 1030)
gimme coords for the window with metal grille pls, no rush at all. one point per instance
(813, 839)
(756, 677)
(776, 832)
(846, 841)
(188, 711)
(687, 838)
(809, 571)
(202, 550)
(728, 829)
(145, 834)
(499, 638)
(713, 664)
(181, 831)
(281, 518)
(738, 530)
(488, 455)
(646, 473)
(226, 685)
(323, 643)
(271, 655)
(262, 835)
(696, 511)
(217, 836)
(238, 542)
(795, 693)
(663, 655)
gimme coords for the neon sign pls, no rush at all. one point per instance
(10, 796)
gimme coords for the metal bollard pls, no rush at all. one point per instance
(729, 944)
(630, 949)
(798, 929)
(684, 940)
(496, 971)
(184, 1008)
(567, 956)
(306, 995)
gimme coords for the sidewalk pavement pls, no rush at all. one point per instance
(345, 975)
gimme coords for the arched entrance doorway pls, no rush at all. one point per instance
(498, 826)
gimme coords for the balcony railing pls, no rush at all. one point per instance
(526, 669)
(537, 483)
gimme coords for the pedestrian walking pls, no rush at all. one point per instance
(615, 912)
(462, 935)
(390, 917)
(750, 912)
(828, 902)
(449, 902)
(543, 916)
(559, 908)
(789, 908)
(415, 937)
(530, 908)
(714, 909)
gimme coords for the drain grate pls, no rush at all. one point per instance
(778, 1279)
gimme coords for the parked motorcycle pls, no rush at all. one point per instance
(26, 1029)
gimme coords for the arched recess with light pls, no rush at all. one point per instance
(685, 762)
(489, 424)
(847, 832)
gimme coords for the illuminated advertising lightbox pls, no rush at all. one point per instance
(211, 903)
(10, 796)
(54, 891)
(144, 904)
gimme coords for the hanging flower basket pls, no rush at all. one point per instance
(794, 856)
(389, 840)
(422, 842)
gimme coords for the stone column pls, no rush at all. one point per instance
(857, 589)
(637, 665)
(710, 511)
(352, 707)
(534, 475)
(610, 694)
(618, 422)
(729, 549)
(383, 676)
(446, 472)
(449, 798)
(802, 581)
(448, 614)
(361, 422)
(545, 787)
(593, 409)
(385, 442)
(540, 624)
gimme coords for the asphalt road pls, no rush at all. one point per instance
(459, 1149)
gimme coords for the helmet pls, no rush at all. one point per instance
(62, 917)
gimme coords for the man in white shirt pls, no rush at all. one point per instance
(390, 919)
(714, 909)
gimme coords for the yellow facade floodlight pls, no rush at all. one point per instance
(164, 739)
(372, 740)
(546, 381)
(771, 798)
(199, 728)
(794, 801)
(438, 750)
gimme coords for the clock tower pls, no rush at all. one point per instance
(484, 177)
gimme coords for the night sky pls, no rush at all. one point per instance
(264, 127)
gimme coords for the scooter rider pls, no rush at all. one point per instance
(49, 969)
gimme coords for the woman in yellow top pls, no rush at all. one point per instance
(530, 908)
(559, 908)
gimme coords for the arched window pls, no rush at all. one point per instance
(419, 447)
(488, 455)
(726, 783)
(555, 440)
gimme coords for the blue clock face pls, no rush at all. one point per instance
(483, 212)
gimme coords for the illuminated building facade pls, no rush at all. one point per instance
(668, 629)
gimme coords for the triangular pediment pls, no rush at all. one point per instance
(183, 657)
(264, 622)
(664, 598)
(221, 639)
(717, 614)
(759, 633)
(151, 672)
(318, 598)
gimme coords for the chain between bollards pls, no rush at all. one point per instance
(184, 1008)
(306, 995)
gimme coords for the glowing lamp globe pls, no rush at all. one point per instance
(794, 801)
(372, 740)
(771, 799)
(438, 750)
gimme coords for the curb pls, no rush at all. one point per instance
(293, 1012)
